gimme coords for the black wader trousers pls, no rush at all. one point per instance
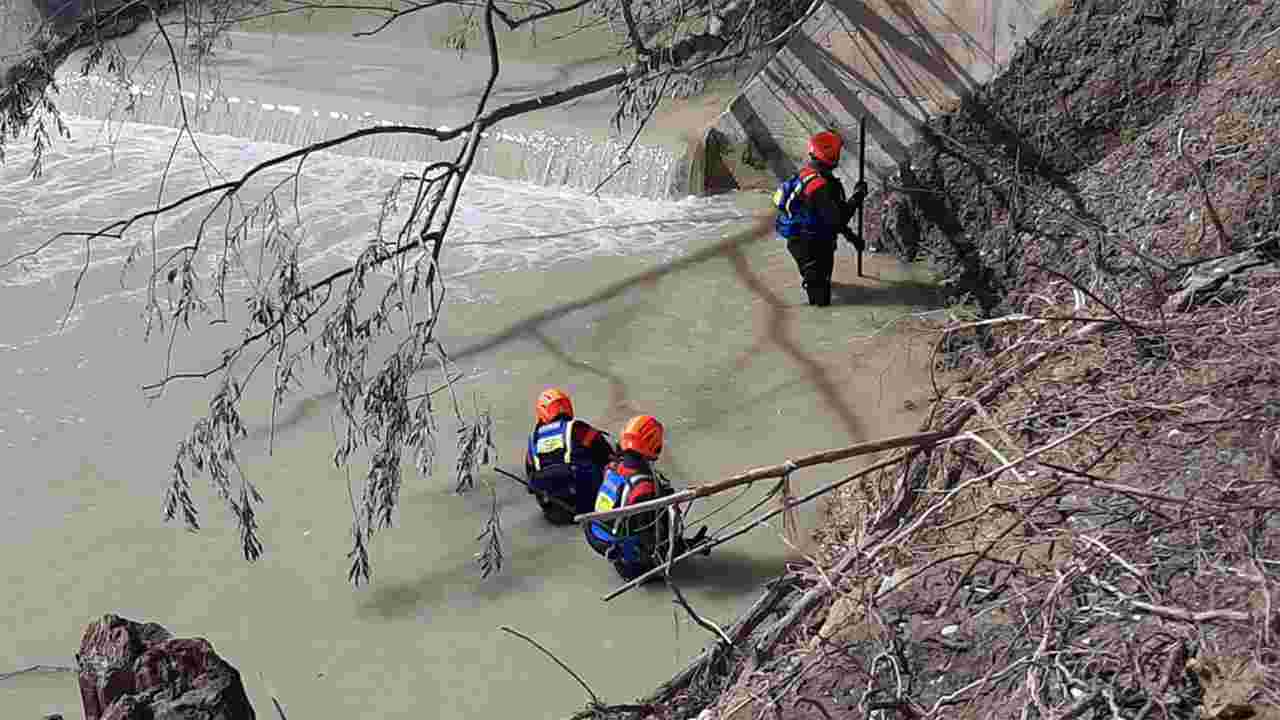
(816, 260)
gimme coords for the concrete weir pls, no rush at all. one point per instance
(896, 62)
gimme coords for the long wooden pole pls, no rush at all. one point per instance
(772, 471)
(862, 171)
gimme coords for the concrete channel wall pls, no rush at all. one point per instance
(896, 62)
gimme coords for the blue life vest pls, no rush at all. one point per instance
(623, 484)
(552, 444)
(556, 469)
(796, 217)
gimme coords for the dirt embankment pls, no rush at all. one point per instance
(1099, 537)
(996, 180)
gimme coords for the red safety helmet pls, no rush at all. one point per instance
(825, 147)
(643, 434)
(552, 403)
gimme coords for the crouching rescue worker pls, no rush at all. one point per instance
(812, 211)
(637, 543)
(565, 460)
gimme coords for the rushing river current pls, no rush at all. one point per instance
(719, 348)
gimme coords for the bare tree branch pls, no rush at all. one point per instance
(595, 699)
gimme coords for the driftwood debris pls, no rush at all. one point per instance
(1202, 283)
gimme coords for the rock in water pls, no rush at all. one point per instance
(108, 650)
(138, 671)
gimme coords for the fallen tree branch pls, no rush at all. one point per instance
(774, 471)
(741, 629)
(1174, 613)
(1223, 240)
(702, 622)
(1133, 329)
(957, 418)
(991, 475)
(708, 545)
(952, 424)
(36, 669)
(1093, 481)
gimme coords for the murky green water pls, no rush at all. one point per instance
(691, 347)
(719, 347)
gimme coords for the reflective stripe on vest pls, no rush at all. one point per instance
(799, 189)
(616, 492)
(798, 220)
(554, 437)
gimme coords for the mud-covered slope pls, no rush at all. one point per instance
(997, 176)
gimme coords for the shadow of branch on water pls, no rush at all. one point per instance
(726, 573)
(444, 589)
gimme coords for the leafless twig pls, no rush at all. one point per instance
(595, 699)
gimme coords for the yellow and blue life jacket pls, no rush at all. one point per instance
(624, 484)
(562, 467)
(552, 444)
(796, 216)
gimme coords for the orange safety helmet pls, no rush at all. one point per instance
(825, 147)
(643, 434)
(552, 403)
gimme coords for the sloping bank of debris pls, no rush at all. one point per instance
(1097, 536)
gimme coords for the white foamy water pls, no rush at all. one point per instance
(572, 160)
(106, 171)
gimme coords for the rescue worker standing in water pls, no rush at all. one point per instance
(637, 543)
(812, 211)
(565, 460)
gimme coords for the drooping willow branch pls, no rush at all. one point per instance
(291, 315)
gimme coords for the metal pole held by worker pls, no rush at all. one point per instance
(862, 171)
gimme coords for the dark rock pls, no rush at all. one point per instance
(138, 671)
(108, 650)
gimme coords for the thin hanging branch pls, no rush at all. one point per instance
(595, 699)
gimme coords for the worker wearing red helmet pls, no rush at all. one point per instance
(565, 460)
(813, 210)
(637, 543)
